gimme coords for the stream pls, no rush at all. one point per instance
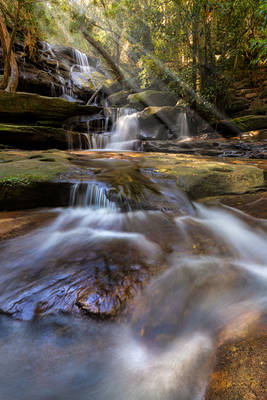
(115, 300)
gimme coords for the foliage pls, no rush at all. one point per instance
(189, 45)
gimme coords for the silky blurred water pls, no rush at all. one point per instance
(215, 272)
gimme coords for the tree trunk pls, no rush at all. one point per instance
(194, 57)
(11, 71)
(116, 72)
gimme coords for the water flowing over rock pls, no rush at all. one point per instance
(214, 277)
(90, 195)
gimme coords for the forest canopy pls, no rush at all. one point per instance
(200, 44)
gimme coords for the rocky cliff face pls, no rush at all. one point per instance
(58, 71)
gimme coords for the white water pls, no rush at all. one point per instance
(82, 72)
(165, 352)
(183, 131)
(90, 195)
(125, 132)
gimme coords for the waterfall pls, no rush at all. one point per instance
(125, 132)
(83, 70)
(123, 135)
(48, 49)
(183, 131)
(90, 195)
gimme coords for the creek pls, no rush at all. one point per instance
(116, 300)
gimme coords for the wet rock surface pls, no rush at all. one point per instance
(92, 275)
(210, 147)
(131, 180)
(240, 368)
(151, 98)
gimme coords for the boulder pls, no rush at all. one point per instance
(111, 86)
(237, 104)
(235, 126)
(171, 122)
(147, 98)
(119, 99)
(251, 122)
(201, 178)
(32, 179)
(27, 106)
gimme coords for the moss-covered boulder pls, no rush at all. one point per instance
(247, 123)
(27, 106)
(119, 99)
(37, 137)
(111, 86)
(151, 98)
(251, 122)
(33, 179)
(200, 177)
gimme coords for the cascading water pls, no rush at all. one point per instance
(183, 131)
(125, 131)
(81, 72)
(165, 351)
(122, 136)
(90, 195)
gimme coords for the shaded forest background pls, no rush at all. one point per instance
(194, 47)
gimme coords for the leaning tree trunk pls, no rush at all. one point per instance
(115, 70)
(11, 72)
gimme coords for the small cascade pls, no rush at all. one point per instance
(90, 195)
(117, 129)
(81, 71)
(125, 131)
(53, 90)
(183, 131)
(60, 90)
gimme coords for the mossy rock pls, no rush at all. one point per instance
(250, 122)
(201, 178)
(98, 80)
(151, 98)
(235, 126)
(111, 86)
(37, 137)
(21, 106)
(28, 180)
(119, 99)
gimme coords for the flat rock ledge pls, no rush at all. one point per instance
(39, 137)
(30, 179)
(22, 107)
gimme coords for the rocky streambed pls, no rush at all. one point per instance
(128, 274)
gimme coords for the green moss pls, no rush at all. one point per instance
(250, 122)
(202, 178)
(19, 166)
(32, 106)
(119, 99)
(151, 98)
